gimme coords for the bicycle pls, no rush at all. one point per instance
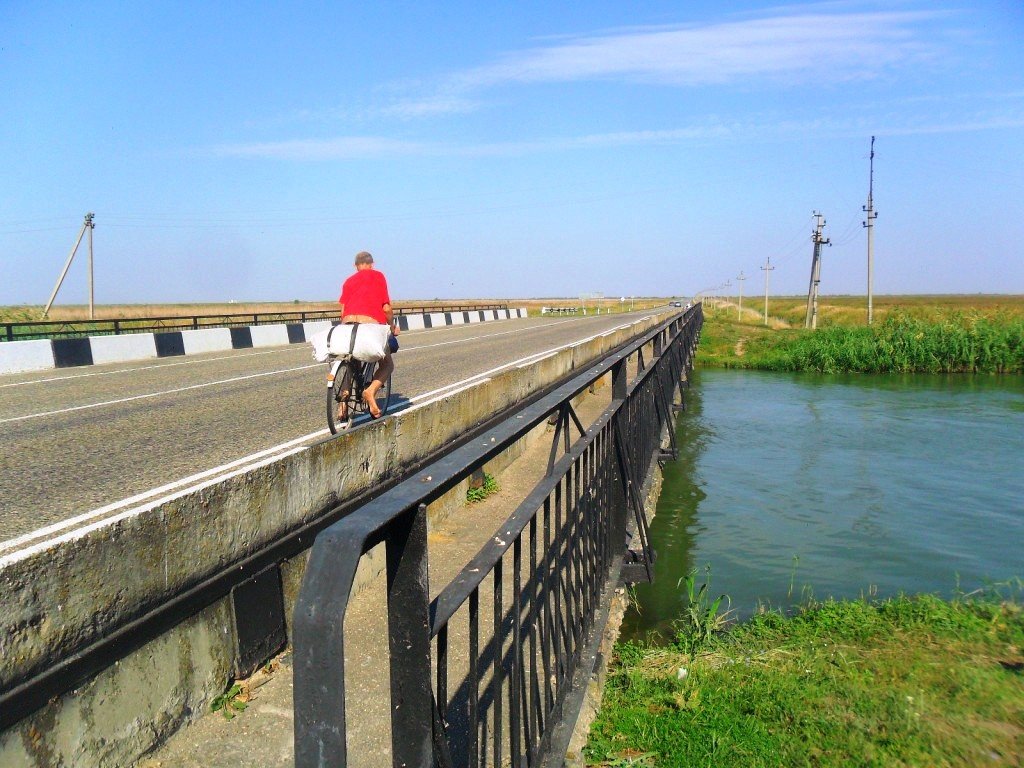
(349, 374)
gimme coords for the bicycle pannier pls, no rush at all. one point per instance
(369, 344)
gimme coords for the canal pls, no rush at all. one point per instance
(791, 486)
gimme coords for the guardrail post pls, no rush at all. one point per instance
(409, 637)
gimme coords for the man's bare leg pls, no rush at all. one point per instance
(384, 369)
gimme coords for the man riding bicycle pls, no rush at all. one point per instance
(364, 299)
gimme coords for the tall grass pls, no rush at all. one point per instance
(900, 344)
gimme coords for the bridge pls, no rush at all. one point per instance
(134, 614)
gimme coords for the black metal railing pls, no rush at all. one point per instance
(57, 329)
(487, 672)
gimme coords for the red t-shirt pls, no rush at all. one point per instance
(365, 293)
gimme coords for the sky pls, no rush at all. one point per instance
(246, 152)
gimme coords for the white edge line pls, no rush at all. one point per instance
(21, 554)
(534, 361)
(40, 532)
(432, 400)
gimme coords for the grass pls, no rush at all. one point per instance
(905, 681)
(944, 336)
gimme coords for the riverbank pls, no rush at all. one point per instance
(904, 681)
(918, 338)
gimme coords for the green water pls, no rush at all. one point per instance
(790, 486)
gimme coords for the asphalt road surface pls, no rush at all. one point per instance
(74, 442)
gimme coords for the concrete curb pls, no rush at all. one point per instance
(45, 354)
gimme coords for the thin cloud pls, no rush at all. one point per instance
(764, 129)
(340, 148)
(788, 48)
(429, 106)
(793, 48)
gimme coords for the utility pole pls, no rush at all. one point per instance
(811, 321)
(870, 224)
(766, 269)
(88, 224)
(739, 313)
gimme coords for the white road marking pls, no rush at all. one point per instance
(149, 395)
(72, 521)
(74, 376)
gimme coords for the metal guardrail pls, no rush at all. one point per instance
(548, 575)
(58, 329)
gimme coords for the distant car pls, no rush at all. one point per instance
(677, 303)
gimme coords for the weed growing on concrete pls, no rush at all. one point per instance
(488, 487)
(234, 699)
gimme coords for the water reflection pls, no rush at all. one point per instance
(837, 485)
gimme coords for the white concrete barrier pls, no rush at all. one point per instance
(25, 356)
(415, 322)
(269, 335)
(120, 349)
(437, 319)
(206, 340)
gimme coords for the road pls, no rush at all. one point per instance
(76, 444)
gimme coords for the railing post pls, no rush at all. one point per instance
(319, 621)
(619, 382)
(409, 638)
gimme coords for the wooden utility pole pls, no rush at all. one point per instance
(766, 269)
(870, 224)
(739, 313)
(90, 225)
(811, 321)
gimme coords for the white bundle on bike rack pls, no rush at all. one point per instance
(365, 341)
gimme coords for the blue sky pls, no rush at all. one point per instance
(247, 151)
